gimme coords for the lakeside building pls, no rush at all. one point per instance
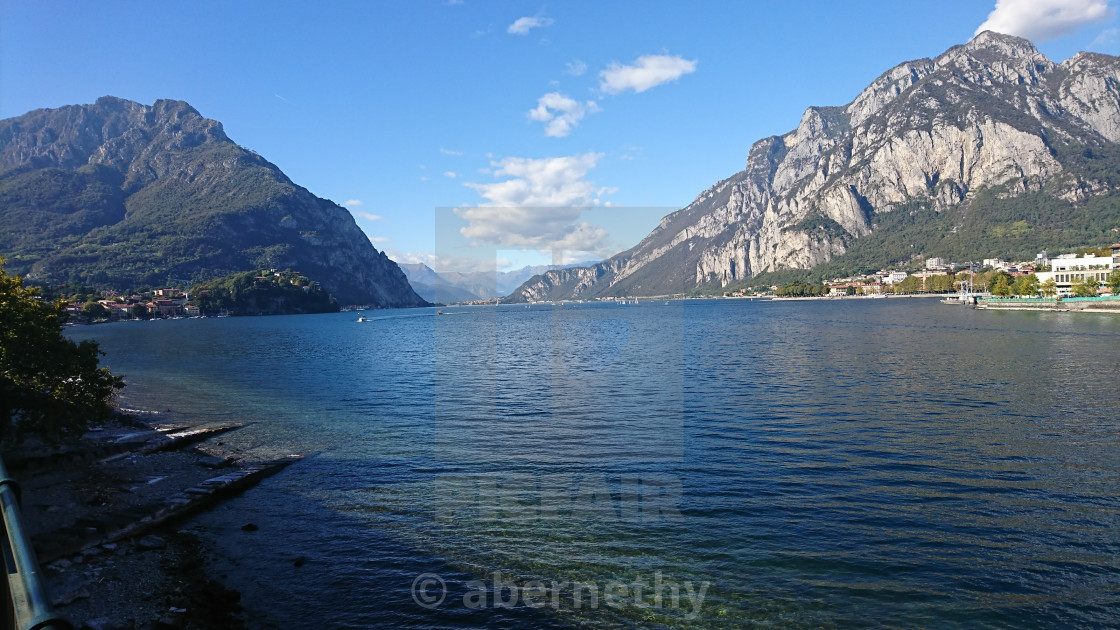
(1067, 269)
(893, 277)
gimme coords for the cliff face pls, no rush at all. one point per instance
(994, 114)
(122, 194)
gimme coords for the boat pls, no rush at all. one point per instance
(363, 318)
(439, 312)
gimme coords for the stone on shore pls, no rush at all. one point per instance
(151, 542)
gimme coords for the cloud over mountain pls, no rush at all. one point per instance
(1042, 20)
(539, 206)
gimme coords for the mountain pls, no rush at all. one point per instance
(433, 287)
(123, 195)
(457, 286)
(988, 150)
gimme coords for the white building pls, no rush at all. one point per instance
(893, 277)
(1068, 269)
(935, 263)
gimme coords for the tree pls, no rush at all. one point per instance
(1087, 287)
(1049, 288)
(940, 284)
(1114, 282)
(1027, 285)
(93, 311)
(50, 386)
(911, 284)
(1001, 286)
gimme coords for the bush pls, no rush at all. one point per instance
(50, 386)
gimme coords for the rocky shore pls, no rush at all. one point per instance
(107, 515)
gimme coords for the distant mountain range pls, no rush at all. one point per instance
(446, 287)
(124, 195)
(988, 150)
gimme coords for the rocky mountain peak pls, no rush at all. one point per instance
(884, 90)
(961, 135)
(1007, 45)
(992, 58)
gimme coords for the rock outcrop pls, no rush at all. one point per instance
(994, 114)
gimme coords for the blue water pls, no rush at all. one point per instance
(695, 464)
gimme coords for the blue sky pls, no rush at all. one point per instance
(400, 109)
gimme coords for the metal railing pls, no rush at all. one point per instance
(28, 603)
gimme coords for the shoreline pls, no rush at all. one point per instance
(885, 296)
(109, 519)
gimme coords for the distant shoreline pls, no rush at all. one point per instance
(785, 298)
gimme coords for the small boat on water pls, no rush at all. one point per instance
(363, 318)
(439, 312)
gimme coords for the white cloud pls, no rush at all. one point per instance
(451, 174)
(560, 113)
(380, 239)
(441, 263)
(539, 207)
(575, 67)
(368, 216)
(631, 153)
(646, 72)
(1042, 20)
(1107, 39)
(522, 26)
(352, 203)
(450, 152)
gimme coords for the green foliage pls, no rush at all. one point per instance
(911, 284)
(50, 386)
(819, 223)
(1049, 288)
(93, 311)
(945, 283)
(262, 292)
(1086, 287)
(98, 227)
(801, 289)
(1001, 284)
(1026, 285)
(1114, 281)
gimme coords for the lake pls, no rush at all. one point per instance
(716, 463)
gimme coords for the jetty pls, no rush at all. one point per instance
(126, 482)
(1101, 304)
